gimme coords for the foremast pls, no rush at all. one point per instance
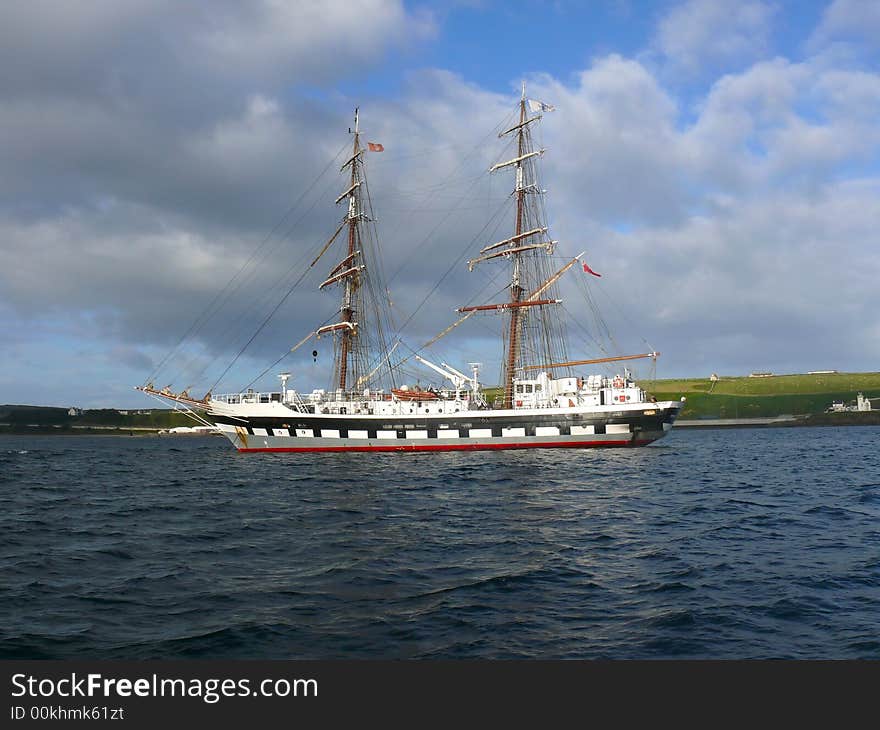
(352, 340)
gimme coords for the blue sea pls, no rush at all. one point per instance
(733, 544)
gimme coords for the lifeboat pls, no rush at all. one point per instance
(414, 395)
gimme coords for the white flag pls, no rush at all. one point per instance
(540, 106)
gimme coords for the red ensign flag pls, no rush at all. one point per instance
(588, 270)
(375, 147)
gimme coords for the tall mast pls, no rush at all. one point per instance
(533, 331)
(515, 285)
(350, 282)
(359, 340)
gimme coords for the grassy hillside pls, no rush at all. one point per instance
(24, 418)
(743, 397)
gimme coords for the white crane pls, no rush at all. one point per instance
(456, 378)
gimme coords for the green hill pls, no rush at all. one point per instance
(753, 397)
(32, 419)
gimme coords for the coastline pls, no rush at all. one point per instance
(77, 431)
(6, 430)
(869, 418)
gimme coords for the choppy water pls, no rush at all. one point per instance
(713, 544)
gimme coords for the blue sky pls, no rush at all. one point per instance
(719, 160)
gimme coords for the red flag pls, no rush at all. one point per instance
(588, 270)
(375, 147)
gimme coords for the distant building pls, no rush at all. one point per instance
(122, 413)
(861, 404)
(821, 372)
(760, 375)
(74, 412)
(714, 377)
(189, 431)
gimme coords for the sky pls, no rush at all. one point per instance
(718, 160)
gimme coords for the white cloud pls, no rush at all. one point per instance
(782, 282)
(782, 123)
(847, 20)
(308, 38)
(613, 144)
(151, 101)
(84, 260)
(128, 49)
(699, 36)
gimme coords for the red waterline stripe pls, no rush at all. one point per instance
(454, 447)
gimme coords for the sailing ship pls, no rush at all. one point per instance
(545, 399)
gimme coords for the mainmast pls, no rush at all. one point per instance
(528, 329)
(515, 286)
(350, 281)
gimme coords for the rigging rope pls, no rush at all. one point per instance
(259, 303)
(227, 291)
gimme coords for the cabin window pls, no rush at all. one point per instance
(538, 388)
(519, 389)
(528, 389)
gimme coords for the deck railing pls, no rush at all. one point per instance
(292, 397)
